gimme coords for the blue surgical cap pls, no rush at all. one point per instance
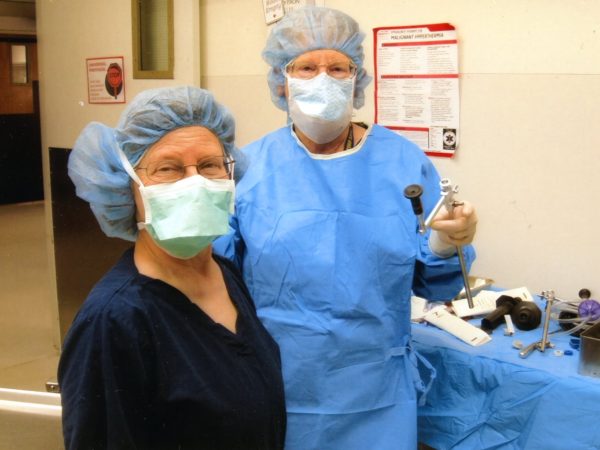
(313, 28)
(95, 166)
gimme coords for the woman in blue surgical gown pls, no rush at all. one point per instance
(329, 245)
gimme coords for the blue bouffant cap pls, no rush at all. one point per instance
(95, 166)
(313, 28)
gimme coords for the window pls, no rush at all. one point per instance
(152, 38)
(18, 64)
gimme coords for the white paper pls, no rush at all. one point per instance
(476, 284)
(273, 10)
(441, 318)
(290, 5)
(418, 308)
(416, 85)
(485, 301)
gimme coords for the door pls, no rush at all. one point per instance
(20, 139)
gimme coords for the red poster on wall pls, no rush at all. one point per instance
(416, 85)
(106, 80)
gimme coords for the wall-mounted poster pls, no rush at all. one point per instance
(290, 5)
(416, 85)
(106, 80)
(275, 9)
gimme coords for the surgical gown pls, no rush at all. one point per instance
(330, 252)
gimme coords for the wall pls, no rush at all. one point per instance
(530, 80)
(529, 84)
(69, 31)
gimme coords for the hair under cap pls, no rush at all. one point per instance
(95, 166)
(313, 28)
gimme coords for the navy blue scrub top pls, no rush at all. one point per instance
(143, 367)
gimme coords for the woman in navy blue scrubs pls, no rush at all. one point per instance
(167, 351)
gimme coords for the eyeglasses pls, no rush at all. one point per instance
(169, 171)
(307, 70)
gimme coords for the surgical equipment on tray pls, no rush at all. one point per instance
(544, 342)
(589, 356)
(413, 192)
(581, 313)
(572, 318)
(525, 315)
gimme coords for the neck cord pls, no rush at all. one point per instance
(349, 138)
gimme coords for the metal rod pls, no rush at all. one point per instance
(447, 198)
(422, 226)
(435, 210)
(549, 299)
(465, 275)
(527, 350)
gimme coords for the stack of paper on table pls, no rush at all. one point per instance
(485, 301)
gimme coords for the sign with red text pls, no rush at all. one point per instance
(106, 80)
(416, 85)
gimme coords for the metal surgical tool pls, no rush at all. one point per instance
(544, 342)
(413, 193)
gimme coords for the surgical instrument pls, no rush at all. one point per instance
(544, 342)
(413, 192)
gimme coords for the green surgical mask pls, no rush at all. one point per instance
(184, 217)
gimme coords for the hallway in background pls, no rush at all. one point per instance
(28, 358)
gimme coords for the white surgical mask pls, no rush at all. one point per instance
(184, 217)
(320, 107)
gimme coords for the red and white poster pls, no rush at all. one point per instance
(106, 80)
(416, 85)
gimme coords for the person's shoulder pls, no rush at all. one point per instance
(232, 274)
(230, 269)
(381, 132)
(111, 331)
(266, 141)
(386, 139)
(115, 296)
(260, 155)
(227, 263)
